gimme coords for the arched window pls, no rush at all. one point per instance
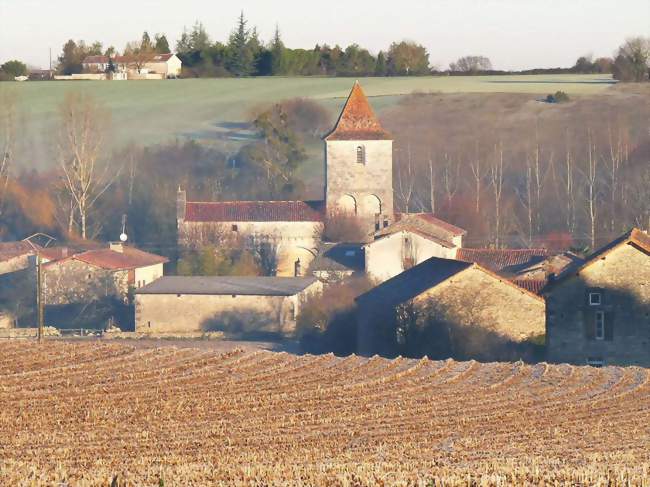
(361, 154)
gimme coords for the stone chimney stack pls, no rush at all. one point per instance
(181, 200)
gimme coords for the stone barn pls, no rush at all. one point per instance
(453, 294)
(240, 305)
(598, 312)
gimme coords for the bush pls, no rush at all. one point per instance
(328, 323)
(342, 227)
(558, 97)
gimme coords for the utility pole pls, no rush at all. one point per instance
(39, 295)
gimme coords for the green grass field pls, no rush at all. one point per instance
(213, 110)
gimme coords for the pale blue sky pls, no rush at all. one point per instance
(514, 34)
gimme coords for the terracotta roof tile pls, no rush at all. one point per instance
(11, 250)
(357, 120)
(254, 211)
(532, 285)
(426, 225)
(500, 260)
(129, 258)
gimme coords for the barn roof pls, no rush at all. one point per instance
(228, 285)
(254, 211)
(357, 120)
(11, 250)
(503, 260)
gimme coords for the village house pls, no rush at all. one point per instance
(145, 66)
(451, 293)
(598, 311)
(94, 274)
(240, 305)
(290, 230)
(411, 240)
(16, 256)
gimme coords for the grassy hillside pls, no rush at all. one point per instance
(213, 110)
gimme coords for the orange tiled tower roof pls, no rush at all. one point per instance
(357, 120)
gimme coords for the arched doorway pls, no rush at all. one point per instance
(371, 205)
(347, 205)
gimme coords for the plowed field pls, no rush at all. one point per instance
(82, 413)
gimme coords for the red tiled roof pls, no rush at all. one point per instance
(129, 258)
(11, 250)
(532, 285)
(428, 218)
(254, 211)
(357, 120)
(499, 259)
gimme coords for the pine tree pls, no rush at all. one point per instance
(277, 53)
(162, 45)
(380, 68)
(241, 62)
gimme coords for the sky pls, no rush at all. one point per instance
(514, 34)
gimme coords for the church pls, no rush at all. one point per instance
(358, 183)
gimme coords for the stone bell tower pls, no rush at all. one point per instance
(359, 163)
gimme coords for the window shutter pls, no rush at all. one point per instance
(609, 327)
(589, 320)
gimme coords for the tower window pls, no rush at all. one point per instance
(361, 155)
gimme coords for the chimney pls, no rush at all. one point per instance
(181, 200)
(116, 247)
(297, 268)
(64, 251)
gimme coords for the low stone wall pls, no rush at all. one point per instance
(133, 335)
(28, 332)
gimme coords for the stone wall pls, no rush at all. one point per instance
(474, 297)
(240, 314)
(292, 240)
(623, 279)
(71, 281)
(346, 178)
(385, 257)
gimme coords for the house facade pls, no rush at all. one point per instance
(598, 312)
(160, 66)
(454, 295)
(95, 274)
(411, 240)
(238, 305)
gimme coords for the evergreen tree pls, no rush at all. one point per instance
(277, 54)
(241, 61)
(145, 44)
(381, 68)
(162, 45)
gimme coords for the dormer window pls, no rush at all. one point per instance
(361, 154)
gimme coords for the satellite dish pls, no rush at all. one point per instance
(123, 237)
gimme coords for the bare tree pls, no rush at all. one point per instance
(406, 180)
(526, 197)
(591, 181)
(568, 186)
(86, 175)
(432, 183)
(496, 180)
(450, 176)
(618, 150)
(479, 175)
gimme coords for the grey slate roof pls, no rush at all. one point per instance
(226, 285)
(339, 257)
(413, 282)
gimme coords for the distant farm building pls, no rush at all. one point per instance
(144, 66)
(240, 305)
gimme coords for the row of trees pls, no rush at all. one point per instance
(546, 183)
(244, 54)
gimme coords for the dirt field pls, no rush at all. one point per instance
(80, 413)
